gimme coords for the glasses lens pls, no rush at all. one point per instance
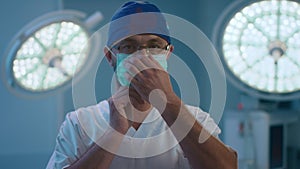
(129, 48)
(156, 51)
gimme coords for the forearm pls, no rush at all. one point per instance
(206, 152)
(202, 150)
(97, 157)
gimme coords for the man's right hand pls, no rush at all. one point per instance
(120, 108)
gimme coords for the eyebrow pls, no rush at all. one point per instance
(158, 40)
(128, 40)
(152, 40)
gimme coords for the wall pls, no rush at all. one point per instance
(28, 127)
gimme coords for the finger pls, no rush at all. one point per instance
(132, 69)
(155, 62)
(133, 72)
(123, 90)
(121, 96)
(137, 63)
(148, 62)
(128, 76)
(137, 86)
(132, 79)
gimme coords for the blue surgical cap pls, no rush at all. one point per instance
(137, 17)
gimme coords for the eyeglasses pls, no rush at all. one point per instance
(154, 49)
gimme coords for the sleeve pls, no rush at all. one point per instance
(205, 120)
(208, 123)
(69, 144)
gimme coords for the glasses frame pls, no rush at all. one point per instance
(141, 47)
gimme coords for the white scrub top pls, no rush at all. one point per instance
(84, 125)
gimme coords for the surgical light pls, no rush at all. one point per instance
(259, 44)
(49, 51)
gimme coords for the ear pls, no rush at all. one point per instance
(170, 51)
(110, 56)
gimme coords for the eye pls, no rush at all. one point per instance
(154, 46)
(126, 47)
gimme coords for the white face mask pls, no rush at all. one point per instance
(120, 70)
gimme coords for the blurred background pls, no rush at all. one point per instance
(260, 118)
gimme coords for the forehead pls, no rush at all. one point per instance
(144, 38)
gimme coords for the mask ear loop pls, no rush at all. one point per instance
(114, 54)
(109, 49)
